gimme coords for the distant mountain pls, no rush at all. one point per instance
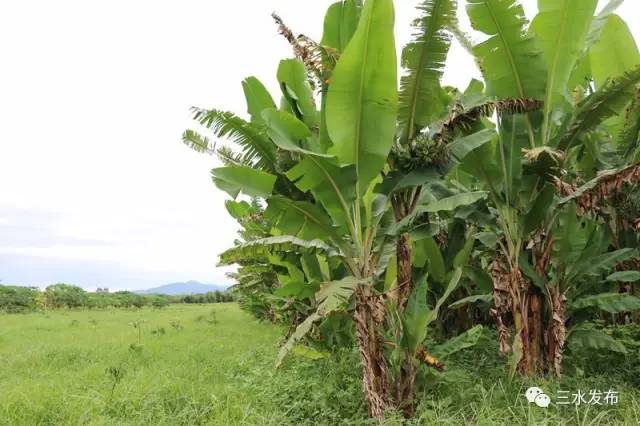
(189, 287)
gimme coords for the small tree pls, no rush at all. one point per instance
(14, 299)
(65, 295)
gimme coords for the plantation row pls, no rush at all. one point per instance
(374, 215)
(15, 299)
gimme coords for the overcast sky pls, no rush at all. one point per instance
(95, 187)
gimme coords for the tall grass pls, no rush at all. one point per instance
(80, 368)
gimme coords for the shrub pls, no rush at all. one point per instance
(14, 299)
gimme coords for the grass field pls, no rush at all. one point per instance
(61, 367)
(185, 365)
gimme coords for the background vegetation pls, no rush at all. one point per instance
(19, 299)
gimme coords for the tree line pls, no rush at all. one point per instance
(17, 299)
(374, 214)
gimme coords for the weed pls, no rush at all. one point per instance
(136, 348)
(138, 326)
(160, 331)
(115, 374)
(177, 325)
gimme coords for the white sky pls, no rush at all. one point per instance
(95, 187)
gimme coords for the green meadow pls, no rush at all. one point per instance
(213, 365)
(179, 365)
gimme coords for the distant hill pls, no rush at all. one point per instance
(189, 287)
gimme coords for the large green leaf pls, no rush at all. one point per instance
(445, 204)
(561, 27)
(601, 264)
(299, 218)
(416, 316)
(594, 339)
(625, 276)
(606, 102)
(300, 332)
(462, 256)
(453, 284)
(238, 209)
(481, 163)
(256, 146)
(198, 142)
(268, 246)
(293, 272)
(296, 289)
(398, 179)
(258, 98)
(391, 274)
(581, 75)
(615, 53)
(540, 209)
(287, 132)
(462, 147)
(362, 99)
(331, 297)
(609, 302)
(486, 298)
(571, 242)
(292, 77)
(236, 179)
(511, 63)
(421, 97)
(488, 239)
(313, 267)
(340, 23)
(427, 251)
(462, 341)
(309, 353)
(335, 294)
(453, 202)
(529, 272)
(480, 278)
(598, 23)
(331, 185)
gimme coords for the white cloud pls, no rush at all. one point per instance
(94, 98)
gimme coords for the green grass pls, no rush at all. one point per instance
(62, 368)
(53, 366)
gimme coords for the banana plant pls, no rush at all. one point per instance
(358, 114)
(546, 62)
(421, 101)
(578, 262)
(549, 64)
(321, 173)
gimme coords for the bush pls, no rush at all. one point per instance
(65, 296)
(14, 299)
(160, 302)
(210, 297)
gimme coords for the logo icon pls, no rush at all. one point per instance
(537, 396)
